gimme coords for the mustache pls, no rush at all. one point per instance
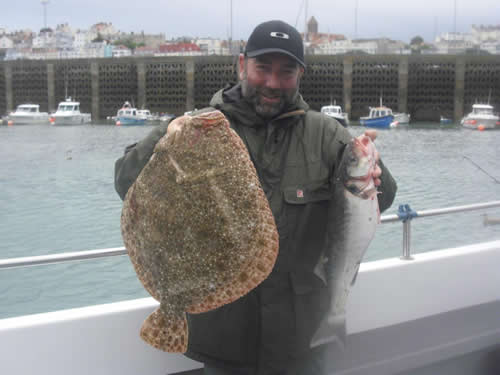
(272, 93)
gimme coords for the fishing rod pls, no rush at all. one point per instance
(494, 179)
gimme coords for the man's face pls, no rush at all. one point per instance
(270, 82)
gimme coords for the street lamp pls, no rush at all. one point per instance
(44, 4)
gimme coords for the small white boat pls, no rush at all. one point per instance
(68, 113)
(148, 115)
(127, 115)
(402, 117)
(481, 117)
(335, 111)
(27, 114)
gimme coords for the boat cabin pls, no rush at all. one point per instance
(68, 107)
(127, 112)
(482, 109)
(31, 108)
(331, 110)
(380, 112)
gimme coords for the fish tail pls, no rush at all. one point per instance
(166, 332)
(337, 325)
(332, 331)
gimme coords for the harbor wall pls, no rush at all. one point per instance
(426, 86)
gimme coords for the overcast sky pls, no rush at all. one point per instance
(396, 19)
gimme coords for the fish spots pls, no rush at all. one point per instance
(260, 267)
(205, 235)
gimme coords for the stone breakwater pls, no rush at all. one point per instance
(426, 86)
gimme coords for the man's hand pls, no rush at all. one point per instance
(175, 125)
(372, 134)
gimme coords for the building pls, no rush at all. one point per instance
(149, 40)
(45, 39)
(485, 33)
(121, 51)
(180, 49)
(211, 46)
(6, 42)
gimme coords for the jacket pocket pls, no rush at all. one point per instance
(308, 193)
(306, 210)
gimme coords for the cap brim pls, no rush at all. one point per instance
(264, 51)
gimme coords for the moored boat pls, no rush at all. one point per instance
(27, 114)
(379, 117)
(481, 117)
(402, 117)
(68, 113)
(445, 120)
(128, 115)
(335, 111)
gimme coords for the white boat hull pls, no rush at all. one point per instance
(437, 313)
(476, 122)
(78, 119)
(20, 119)
(402, 118)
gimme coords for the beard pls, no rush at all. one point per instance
(253, 95)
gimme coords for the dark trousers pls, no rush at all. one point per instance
(311, 364)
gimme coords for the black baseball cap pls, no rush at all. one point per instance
(276, 36)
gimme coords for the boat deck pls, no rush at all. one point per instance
(440, 318)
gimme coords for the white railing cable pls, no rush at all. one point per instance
(61, 257)
(406, 216)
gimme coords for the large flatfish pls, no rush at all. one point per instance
(353, 217)
(197, 226)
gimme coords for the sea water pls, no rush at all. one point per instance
(57, 195)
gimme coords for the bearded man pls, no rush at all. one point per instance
(294, 149)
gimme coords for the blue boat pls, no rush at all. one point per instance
(444, 120)
(127, 115)
(379, 117)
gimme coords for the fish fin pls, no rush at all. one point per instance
(167, 333)
(331, 331)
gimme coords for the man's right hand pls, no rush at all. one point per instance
(175, 125)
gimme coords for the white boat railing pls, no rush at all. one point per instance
(405, 215)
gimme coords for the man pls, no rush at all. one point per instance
(269, 330)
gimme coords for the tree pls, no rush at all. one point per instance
(98, 38)
(416, 44)
(417, 40)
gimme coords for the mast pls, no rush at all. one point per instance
(356, 19)
(231, 26)
(306, 34)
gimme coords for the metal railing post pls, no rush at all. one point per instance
(405, 214)
(406, 240)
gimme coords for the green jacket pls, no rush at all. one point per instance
(295, 156)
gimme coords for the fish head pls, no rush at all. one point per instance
(189, 129)
(361, 157)
(359, 166)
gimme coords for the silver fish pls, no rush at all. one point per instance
(354, 217)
